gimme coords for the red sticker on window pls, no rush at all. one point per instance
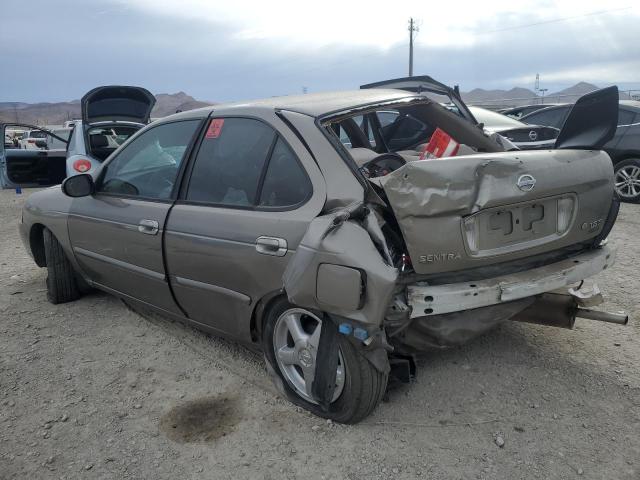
(215, 128)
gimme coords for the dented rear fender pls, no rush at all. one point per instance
(339, 270)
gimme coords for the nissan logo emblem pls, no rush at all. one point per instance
(533, 135)
(526, 182)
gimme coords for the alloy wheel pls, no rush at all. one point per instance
(295, 344)
(628, 181)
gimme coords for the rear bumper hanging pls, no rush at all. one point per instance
(426, 300)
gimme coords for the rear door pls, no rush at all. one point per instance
(252, 192)
(116, 234)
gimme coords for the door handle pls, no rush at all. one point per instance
(271, 246)
(149, 227)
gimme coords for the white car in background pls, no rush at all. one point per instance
(33, 140)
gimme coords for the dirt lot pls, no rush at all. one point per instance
(92, 390)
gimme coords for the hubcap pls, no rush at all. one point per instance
(628, 181)
(295, 344)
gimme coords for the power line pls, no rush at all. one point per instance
(554, 20)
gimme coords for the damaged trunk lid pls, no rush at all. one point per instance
(470, 211)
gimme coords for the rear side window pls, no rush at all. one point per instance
(285, 183)
(549, 118)
(401, 130)
(243, 163)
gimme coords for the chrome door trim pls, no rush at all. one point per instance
(187, 282)
(119, 263)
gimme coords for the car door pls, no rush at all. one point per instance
(252, 192)
(627, 133)
(116, 233)
(39, 166)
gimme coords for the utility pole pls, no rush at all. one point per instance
(412, 28)
(542, 90)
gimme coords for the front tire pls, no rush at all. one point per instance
(289, 339)
(627, 180)
(61, 279)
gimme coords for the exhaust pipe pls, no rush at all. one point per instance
(561, 310)
(619, 319)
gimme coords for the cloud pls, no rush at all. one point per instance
(222, 51)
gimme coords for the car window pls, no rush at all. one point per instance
(401, 130)
(625, 117)
(148, 166)
(553, 117)
(285, 183)
(230, 162)
(363, 123)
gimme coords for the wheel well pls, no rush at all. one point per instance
(260, 313)
(36, 243)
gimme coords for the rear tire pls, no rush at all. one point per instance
(61, 279)
(627, 180)
(363, 385)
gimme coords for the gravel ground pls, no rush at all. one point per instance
(92, 390)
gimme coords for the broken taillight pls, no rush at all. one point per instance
(565, 213)
(82, 165)
(472, 232)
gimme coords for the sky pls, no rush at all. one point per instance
(220, 50)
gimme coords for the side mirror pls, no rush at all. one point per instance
(78, 185)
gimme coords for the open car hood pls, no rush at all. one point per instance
(117, 102)
(424, 83)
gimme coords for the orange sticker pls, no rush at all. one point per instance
(215, 128)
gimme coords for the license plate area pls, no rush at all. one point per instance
(513, 227)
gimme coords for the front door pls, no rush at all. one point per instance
(251, 194)
(116, 234)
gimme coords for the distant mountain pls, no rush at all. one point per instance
(571, 94)
(479, 95)
(524, 96)
(167, 104)
(58, 113)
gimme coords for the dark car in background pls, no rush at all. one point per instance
(624, 148)
(521, 111)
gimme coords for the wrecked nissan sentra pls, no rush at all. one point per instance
(339, 233)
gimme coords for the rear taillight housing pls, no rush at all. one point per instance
(566, 207)
(82, 166)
